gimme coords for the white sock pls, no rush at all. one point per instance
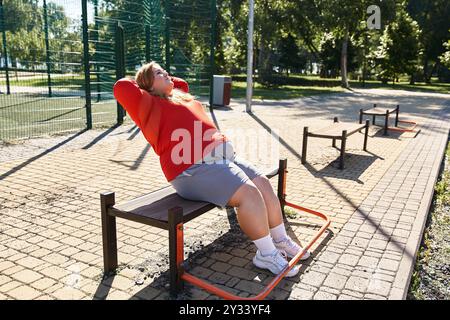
(278, 233)
(265, 245)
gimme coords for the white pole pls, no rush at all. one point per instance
(248, 106)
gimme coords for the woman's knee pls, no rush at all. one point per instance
(246, 194)
(264, 186)
(262, 183)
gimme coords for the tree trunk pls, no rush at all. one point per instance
(425, 70)
(14, 66)
(412, 79)
(264, 71)
(428, 80)
(344, 80)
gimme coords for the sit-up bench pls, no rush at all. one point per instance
(167, 210)
(336, 131)
(385, 112)
(380, 112)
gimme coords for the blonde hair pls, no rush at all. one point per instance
(144, 79)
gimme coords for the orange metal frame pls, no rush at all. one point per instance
(410, 129)
(226, 295)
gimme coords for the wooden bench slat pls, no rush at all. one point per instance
(155, 205)
(378, 111)
(335, 130)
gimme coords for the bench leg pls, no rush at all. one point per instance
(373, 117)
(109, 233)
(343, 142)
(396, 115)
(176, 249)
(305, 144)
(334, 140)
(386, 123)
(366, 134)
(282, 170)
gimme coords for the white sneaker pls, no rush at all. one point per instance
(291, 248)
(274, 262)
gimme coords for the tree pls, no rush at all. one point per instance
(25, 36)
(24, 41)
(399, 52)
(342, 18)
(330, 55)
(269, 27)
(303, 18)
(231, 35)
(290, 54)
(445, 57)
(434, 22)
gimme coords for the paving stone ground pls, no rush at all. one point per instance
(50, 228)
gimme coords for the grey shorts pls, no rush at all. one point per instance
(214, 182)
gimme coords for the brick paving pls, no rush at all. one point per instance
(50, 228)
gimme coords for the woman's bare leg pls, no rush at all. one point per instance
(251, 211)
(271, 201)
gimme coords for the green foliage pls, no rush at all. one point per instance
(433, 19)
(291, 56)
(25, 35)
(27, 10)
(330, 55)
(231, 54)
(290, 213)
(399, 51)
(445, 57)
(289, 35)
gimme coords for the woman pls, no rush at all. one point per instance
(203, 165)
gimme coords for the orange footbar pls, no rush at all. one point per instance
(410, 129)
(228, 296)
(180, 248)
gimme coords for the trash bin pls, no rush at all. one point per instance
(222, 90)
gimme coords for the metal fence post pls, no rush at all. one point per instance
(167, 31)
(147, 43)
(249, 91)
(212, 51)
(47, 51)
(96, 38)
(5, 51)
(120, 65)
(86, 63)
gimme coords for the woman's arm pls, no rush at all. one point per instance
(179, 83)
(130, 96)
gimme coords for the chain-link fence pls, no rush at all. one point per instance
(59, 59)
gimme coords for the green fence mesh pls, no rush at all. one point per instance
(41, 87)
(51, 82)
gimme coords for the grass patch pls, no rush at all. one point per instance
(23, 116)
(239, 90)
(304, 85)
(431, 275)
(74, 81)
(434, 86)
(290, 213)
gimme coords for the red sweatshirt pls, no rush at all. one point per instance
(159, 119)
